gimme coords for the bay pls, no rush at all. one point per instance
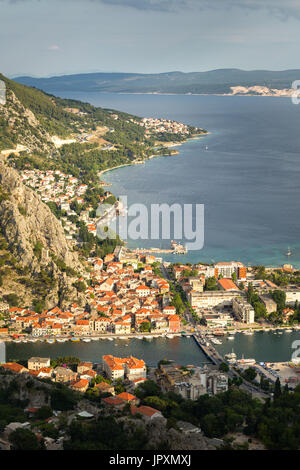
(248, 179)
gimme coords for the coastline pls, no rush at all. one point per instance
(167, 145)
(268, 95)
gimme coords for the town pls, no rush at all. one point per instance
(117, 388)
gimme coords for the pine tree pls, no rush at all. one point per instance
(277, 389)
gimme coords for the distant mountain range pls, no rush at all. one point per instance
(219, 81)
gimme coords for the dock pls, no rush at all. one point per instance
(214, 357)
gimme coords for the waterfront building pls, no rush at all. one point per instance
(217, 320)
(128, 367)
(211, 299)
(243, 311)
(227, 269)
(37, 363)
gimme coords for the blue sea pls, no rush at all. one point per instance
(248, 179)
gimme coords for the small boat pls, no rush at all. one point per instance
(170, 336)
(50, 341)
(249, 333)
(206, 147)
(75, 340)
(216, 341)
(61, 340)
(288, 253)
(110, 339)
(230, 357)
(230, 337)
(288, 330)
(86, 340)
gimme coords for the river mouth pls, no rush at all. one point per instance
(182, 350)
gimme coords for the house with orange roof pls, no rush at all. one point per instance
(128, 398)
(114, 402)
(227, 284)
(104, 387)
(101, 324)
(88, 375)
(14, 367)
(147, 412)
(135, 368)
(142, 291)
(129, 367)
(83, 366)
(174, 323)
(121, 327)
(80, 385)
(45, 373)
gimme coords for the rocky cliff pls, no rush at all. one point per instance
(21, 128)
(36, 241)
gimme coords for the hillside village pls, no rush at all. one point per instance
(67, 390)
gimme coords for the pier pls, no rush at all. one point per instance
(209, 352)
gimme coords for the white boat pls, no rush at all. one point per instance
(288, 330)
(139, 337)
(50, 341)
(216, 341)
(288, 253)
(110, 339)
(246, 361)
(230, 357)
(230, 337)
(123, 337)
(95, 339)
(249, 332)
(170, 336)
(62, 340)
(86, 340)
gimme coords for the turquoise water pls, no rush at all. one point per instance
(248, 179)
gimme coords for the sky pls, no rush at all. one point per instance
(55, 37)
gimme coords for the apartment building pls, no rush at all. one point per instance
(242, 310)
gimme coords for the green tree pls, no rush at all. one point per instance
(223, 367)
(23, 439)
